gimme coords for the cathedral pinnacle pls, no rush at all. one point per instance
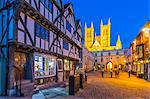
(109, 22)
(85, 25)
(92, 26)
(101, 22)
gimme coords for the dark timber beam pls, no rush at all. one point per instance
(72, 37)
(4, 33)
(21, 20)
(59, 8)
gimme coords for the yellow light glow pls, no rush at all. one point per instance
(134, 41)
(125, 61)
(146, 32)
(101, 42)
(136, 57)
(141, 61)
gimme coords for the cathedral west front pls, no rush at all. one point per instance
(102, 42)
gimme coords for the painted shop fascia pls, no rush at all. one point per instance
(40, 43)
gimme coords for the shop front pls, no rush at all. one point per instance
(44, 68)
(109, 66)
(23, 65)
(146, 68)
(60, 70)
(134, 68)
(20, 63)
(140, 69)
(140, 60)
(69, 68)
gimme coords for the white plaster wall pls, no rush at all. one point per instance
(41, 9)
(46, 45)
(31, 26)
(38, 42)
(42, 43)
(33, 4)
(21, 36)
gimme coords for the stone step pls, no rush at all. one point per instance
(27, 87)
(23, 82)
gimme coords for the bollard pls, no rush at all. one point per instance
(83, 80)
(74, 84)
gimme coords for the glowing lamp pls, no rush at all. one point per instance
(141, 61)
(125, 61)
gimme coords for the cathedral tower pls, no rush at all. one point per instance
(102, 41)
(105, 33)
(89, 36)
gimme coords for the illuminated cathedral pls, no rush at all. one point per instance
(102, 42)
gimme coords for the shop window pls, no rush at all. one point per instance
(39, 68)
(66, 65)
(59, 65)
(51, 67)
(65, 45)
(44, 66)
(68, 26)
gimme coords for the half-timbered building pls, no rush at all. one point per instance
(40, 42)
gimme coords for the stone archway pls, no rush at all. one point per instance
(109, 65)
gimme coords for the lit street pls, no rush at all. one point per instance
(115, 88)
(74, 49)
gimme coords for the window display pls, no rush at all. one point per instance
(66, 65)
(51, 67)
(44, 66)
(60, 65)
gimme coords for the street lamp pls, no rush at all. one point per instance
(136, 56)
(125, 61)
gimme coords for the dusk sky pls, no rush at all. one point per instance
(127, 16)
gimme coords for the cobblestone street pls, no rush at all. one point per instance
(113, 88)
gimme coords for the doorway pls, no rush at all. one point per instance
(19, 65)
(109, 66)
